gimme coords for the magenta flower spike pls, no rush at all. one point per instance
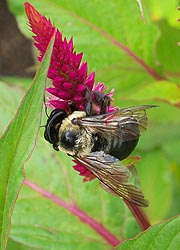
(68, 73)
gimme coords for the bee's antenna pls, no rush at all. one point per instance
(44, 101)
(45, 107)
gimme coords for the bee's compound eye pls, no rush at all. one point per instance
(68, 139)
(52, 126)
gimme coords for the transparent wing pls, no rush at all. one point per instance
(127, 123)
(115, 177)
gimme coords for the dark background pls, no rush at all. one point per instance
(15, 50)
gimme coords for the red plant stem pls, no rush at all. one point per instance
(75, 210)
(139, 215)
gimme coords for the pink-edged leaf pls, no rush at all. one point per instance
(17, 144)
(161, 236)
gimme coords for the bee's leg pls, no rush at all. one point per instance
(55, 147)
(72, 107)
(103, 101)
(104, 104)
(88, 107)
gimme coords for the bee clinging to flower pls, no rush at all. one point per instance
(83, 123)
(100, 142)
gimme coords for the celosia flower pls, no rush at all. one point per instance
(68, 73)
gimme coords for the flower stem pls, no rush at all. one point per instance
(139, 215)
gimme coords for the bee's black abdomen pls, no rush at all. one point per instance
(118, 146)
(120, 149)
(114, 146)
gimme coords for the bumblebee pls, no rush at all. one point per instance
(101, 142)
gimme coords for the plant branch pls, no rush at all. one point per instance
(75, 210)
(139, 215)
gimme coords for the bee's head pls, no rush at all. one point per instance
(51, 133)
(73, 138)
(69, 139)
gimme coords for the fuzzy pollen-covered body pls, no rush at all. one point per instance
(74, 139)
(79, 141)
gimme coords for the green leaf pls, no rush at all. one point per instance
(22, 84)
(12, 245)
(164, 10)
(157, 183)
(167, 47)
(164, 236)
(10, 97)
(17, 144)
(161, 90)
